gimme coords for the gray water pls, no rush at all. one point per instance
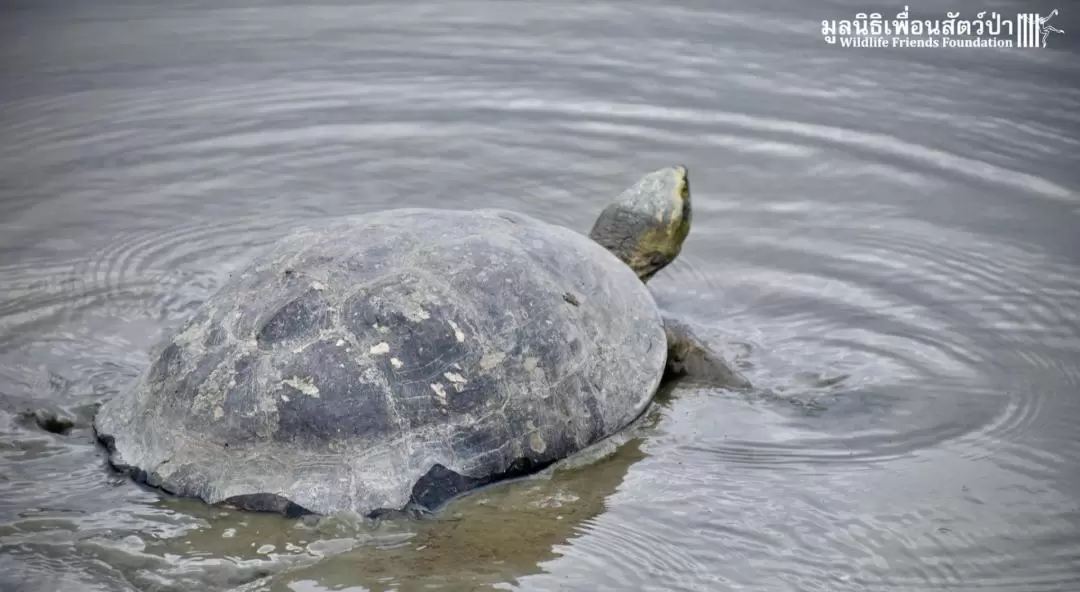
(886, 240)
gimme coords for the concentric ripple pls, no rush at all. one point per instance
(160, 274)
(884, 242)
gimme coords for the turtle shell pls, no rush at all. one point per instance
(391, 360)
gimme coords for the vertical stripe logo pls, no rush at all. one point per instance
(1027, 30)
(1033, 29)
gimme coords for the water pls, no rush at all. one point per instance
(886, 239)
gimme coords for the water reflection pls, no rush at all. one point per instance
(885, 240)
(494, 537)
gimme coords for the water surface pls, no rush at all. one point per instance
(886, 240)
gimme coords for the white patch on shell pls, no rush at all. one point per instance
(440, 393)
(415, 313)
(491, 360)
(370, 374)
(454, 377)
(396, 363)
(380, 328)
(532, 366)
(536, 442)
(304, 385)
(457, 331)
(318, 286)
(457, 380)
(340, 342)
(382, 348)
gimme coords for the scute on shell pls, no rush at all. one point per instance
(398, 357)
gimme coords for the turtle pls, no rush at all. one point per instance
(382, 364)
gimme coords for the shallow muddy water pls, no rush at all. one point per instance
(885, 238)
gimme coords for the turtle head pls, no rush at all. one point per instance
(646, 226)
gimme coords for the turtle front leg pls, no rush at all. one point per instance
(691, 357)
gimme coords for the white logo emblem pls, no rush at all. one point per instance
(1027, 30)
(1032, 29)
